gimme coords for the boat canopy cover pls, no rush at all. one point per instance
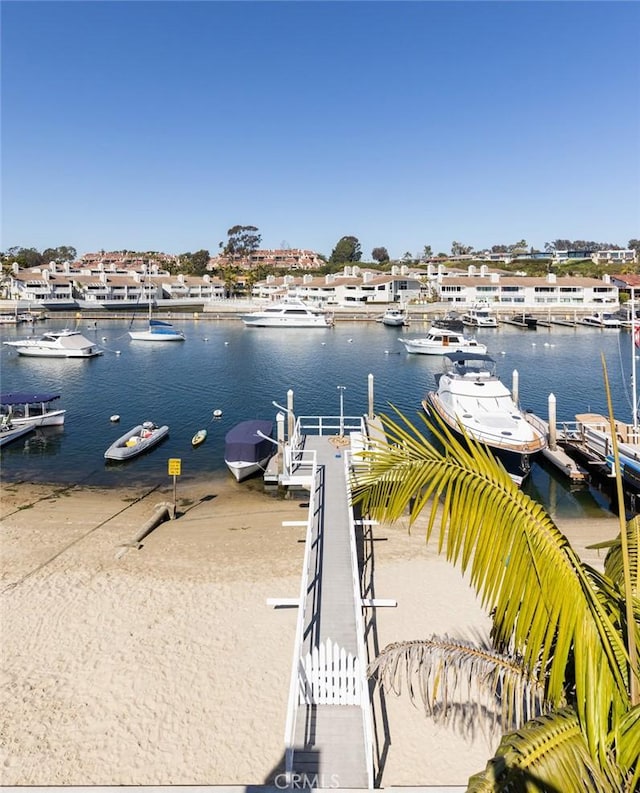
(159, 323)
(26, 398)
(459, 355)
(242, 442)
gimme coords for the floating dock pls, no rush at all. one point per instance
(556, 455)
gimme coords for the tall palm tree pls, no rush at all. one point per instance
(559, 664)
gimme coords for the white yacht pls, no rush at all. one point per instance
(441, 341)
(57, 344)
(394, 317)
(288, 314)
(480, 316)
(470, 394)
(602, 319)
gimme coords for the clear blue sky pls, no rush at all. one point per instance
(159, 125)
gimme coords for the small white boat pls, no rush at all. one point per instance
(157, 330)
(288, 314)
(10, 432)
(394, 317)
(602, 319)
(199, 437)
(138, 439)
(57, 344)
(26, 407)
(248, 447)
(440, 341)
(480, 316)
(469, 393)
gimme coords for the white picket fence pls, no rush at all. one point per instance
(328, 675)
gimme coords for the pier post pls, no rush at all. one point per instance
(514, 386)
(290, 415)
(552, 423)
(280, 439)
(371, 413)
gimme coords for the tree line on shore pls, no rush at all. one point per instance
(242, 241)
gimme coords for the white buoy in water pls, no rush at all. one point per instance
(217, 413)
(104, 338)
(115, 417)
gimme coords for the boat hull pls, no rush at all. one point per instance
(125, 447)
(516, 463)
(418, 347)
(57, 344)
(12, 433)
(147, 335)
(37, 351)
(21, 408)
(248, 447)
(284, 322)
(199, 437)
(242, 470)
(52, 418)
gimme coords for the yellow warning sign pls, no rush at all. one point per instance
(175, 463)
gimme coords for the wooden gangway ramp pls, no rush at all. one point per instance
(330, 742)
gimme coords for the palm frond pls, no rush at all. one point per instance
(548, 754)
(613, 565)
(627, 742)
(545, 604)
(451, 675)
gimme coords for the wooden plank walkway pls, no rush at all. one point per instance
(329, 739)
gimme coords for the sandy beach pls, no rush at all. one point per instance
(163, 665)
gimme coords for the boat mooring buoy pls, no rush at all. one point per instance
(115, 417)
(217, 413)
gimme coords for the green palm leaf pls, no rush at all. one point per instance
(547, 754)
(546, 604)
(613, 565)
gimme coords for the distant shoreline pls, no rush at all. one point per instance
(233, 309)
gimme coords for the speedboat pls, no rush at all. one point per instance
(469, 394)
(523, 320)
(27, 408)
(394, 317)
(288, 314)
(602, 319)
(441, 341)
(451, 321)
(57, 344)
(479, 316)
(138, 439)
(248, 447)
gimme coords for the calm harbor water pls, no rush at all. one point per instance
(224, 366)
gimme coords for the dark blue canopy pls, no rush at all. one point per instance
(242, 442)
(26, 398)
(460, 355)
(157, 323)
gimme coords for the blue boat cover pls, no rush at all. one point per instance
(159, 323)
(242, 442)
(26, 397)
